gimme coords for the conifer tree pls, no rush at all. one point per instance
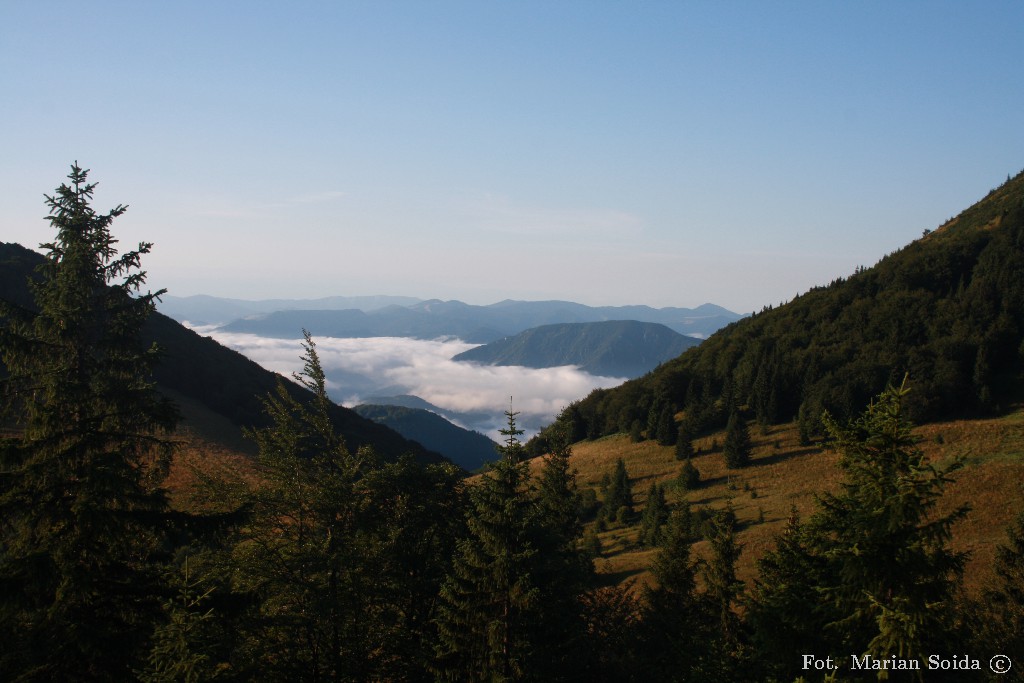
(81, 514)
(666, 430)
(725, 650)
(784, 610)
(1002, 621)
(674, 618)
(689, 475)
(490, 600)
(298, 556)
(564, 568)
(620, 492)
(182, 645)
(654, 516)
(684, 442)
(636, 434)
(723, 587)
(891, 574)
(737, 442)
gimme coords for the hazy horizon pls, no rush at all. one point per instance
(666, 154)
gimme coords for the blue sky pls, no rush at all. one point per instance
(664, 153)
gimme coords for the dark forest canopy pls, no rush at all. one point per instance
(948, 309)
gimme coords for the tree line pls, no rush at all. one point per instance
(330, 564)
(948, 309)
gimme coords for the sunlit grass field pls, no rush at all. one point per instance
(784, 475)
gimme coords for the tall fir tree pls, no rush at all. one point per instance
(784, 610)
(726, 649)
(82, 514)
(342, 555)
(665, 429)
(490, 600)
(674, 618)
(891, 573)
(298, 556)
(564, 568)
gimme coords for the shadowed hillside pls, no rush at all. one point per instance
(467, 449)
(220, 390)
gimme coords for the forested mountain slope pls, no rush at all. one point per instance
(616, 348)
(948, 309)
(220, 386)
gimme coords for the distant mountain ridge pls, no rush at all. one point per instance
(616, 348)
(219, 390)
(475, 324)
(203, 309)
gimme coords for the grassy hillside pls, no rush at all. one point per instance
(784, 475)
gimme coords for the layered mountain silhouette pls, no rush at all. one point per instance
(220, 391)
(618, 348)
(202, 309)
(475, 324)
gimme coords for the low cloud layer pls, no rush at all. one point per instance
(359, 368)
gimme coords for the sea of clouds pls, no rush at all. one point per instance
(389, 366)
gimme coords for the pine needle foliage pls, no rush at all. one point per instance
(892, 573)
(491, 598)
(620, 493)
(1002, 620)
(737, 442)
(674, 617)
(81, 514)
(299, 556)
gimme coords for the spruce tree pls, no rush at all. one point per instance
(620, 493)
(298, 558)
(1002, 614)
(725, 650)
(891, 574)
(666, 430)
(689, 476)
(490, 600)
(81, 514)
(723, 588)
(674, 618)
(737, 442)
(684, 442)
(182, 646)
(784, 609)
(564, 568)
(654, 516)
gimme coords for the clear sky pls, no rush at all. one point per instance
(664, 153)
